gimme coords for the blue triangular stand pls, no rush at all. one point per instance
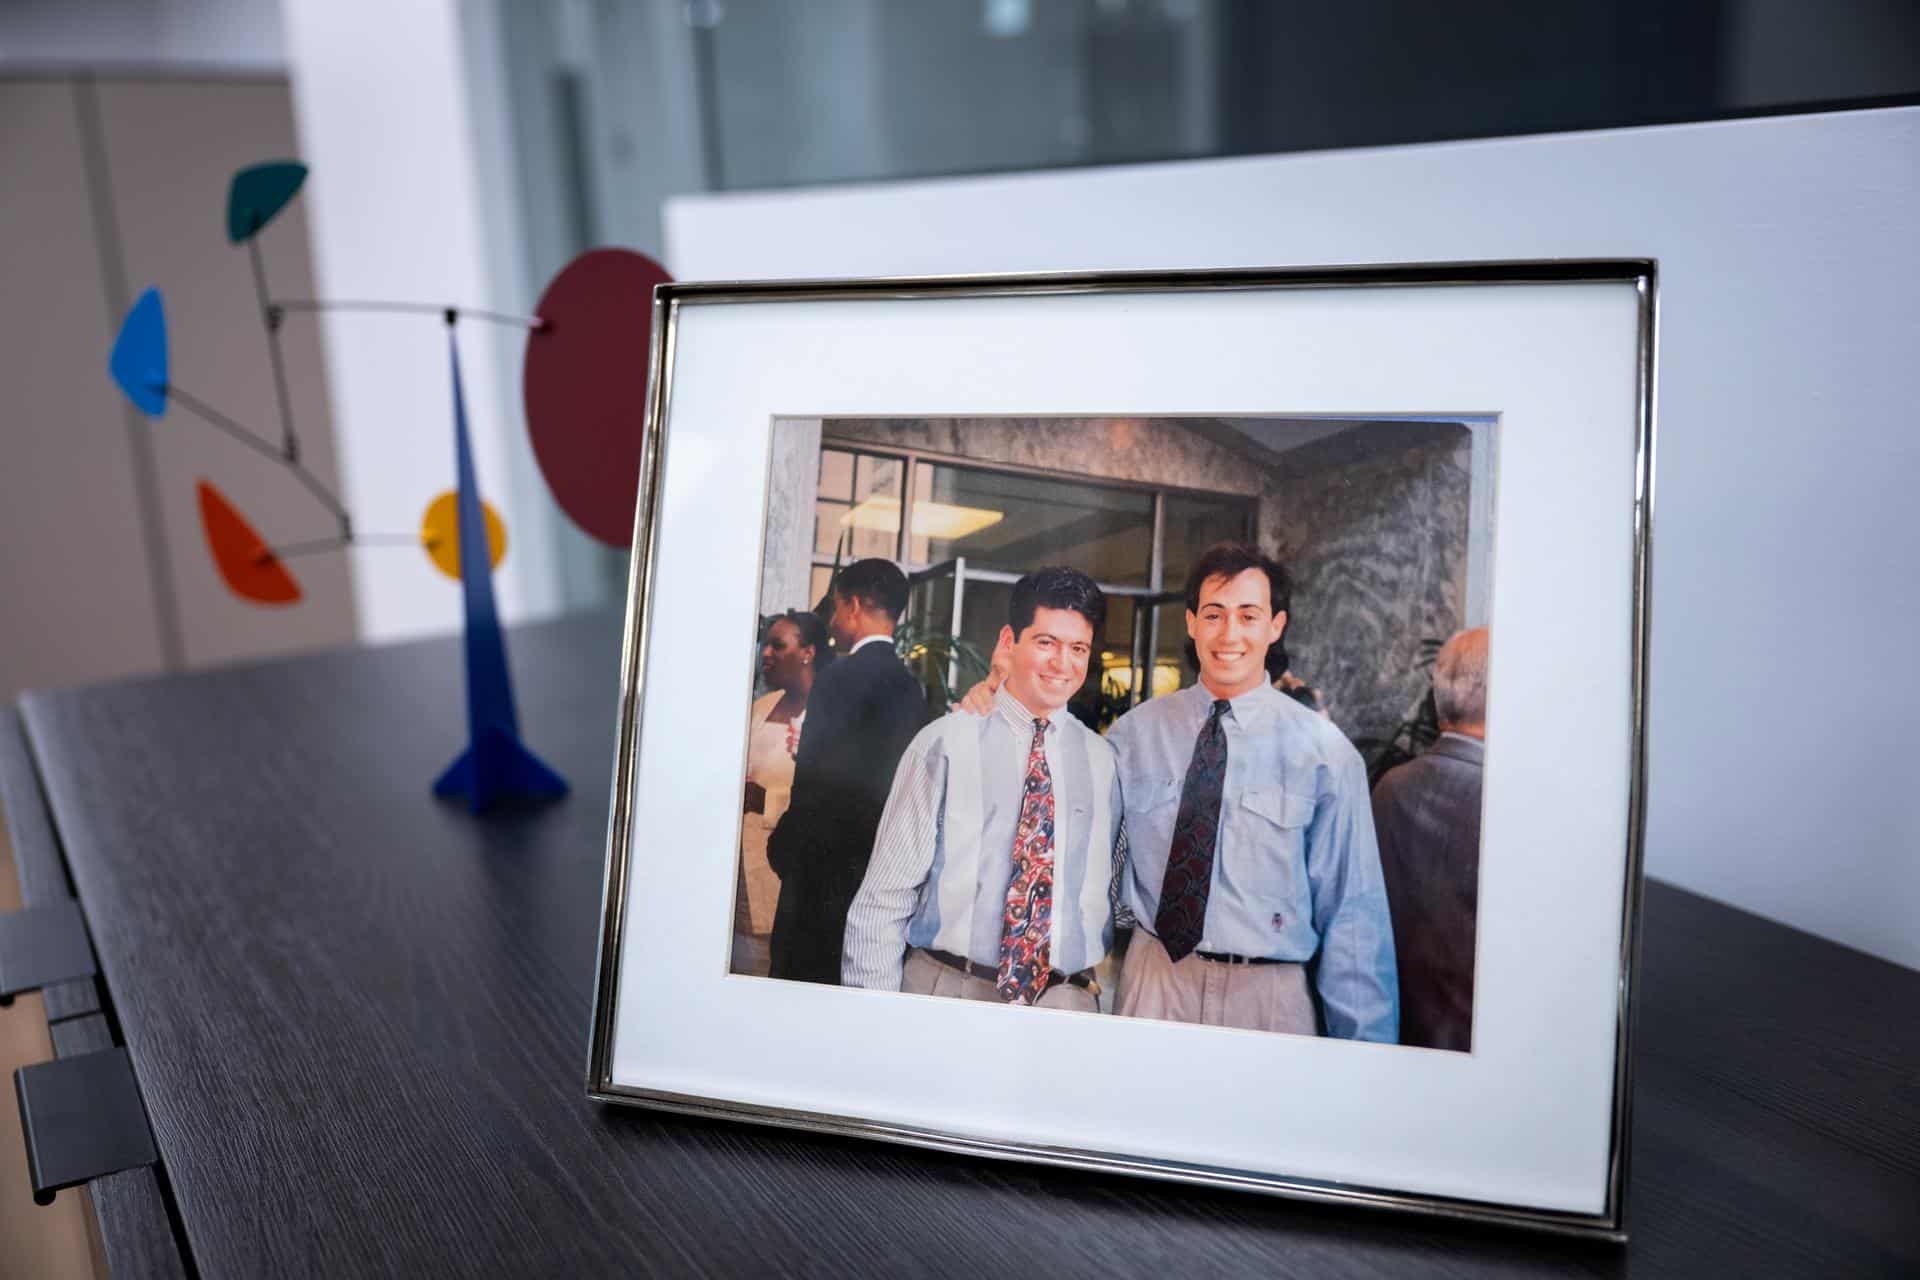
(139, 359)
(495, 767)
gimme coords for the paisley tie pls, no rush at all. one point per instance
(1182, 916)
(1025, 930)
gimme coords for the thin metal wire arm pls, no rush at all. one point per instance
(214, 418)
(270, 317)
(324, 494)
(338, 542)
(423, 308)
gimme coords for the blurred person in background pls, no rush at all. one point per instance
(861, 714)
(792, 652)
(1303, 693)
(1427, 813)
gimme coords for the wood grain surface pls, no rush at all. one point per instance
(141, 1245)
(359, 1019)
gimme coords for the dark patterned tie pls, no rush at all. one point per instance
(1026, 929)
(1182, 916)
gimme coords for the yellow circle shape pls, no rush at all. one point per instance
(440, 533)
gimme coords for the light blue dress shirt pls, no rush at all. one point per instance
(1296, 871)
(943, 856)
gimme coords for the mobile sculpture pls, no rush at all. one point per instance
(583, 415)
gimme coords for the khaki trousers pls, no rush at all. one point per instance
(925, 976)
(1259, 997)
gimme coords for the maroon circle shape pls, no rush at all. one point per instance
(585, 386)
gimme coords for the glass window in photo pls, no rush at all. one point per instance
(857, 506)
(1016, 523)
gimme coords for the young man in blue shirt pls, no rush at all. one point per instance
(1253, 876)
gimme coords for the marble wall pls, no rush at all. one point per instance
(786, 566)
(1373, 524)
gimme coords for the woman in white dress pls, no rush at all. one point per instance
(791, 654)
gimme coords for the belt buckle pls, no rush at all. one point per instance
(1066, 980)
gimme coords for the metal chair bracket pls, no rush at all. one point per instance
(41, 946)
(82, 1119)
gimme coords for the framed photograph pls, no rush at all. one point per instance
(1179, 724)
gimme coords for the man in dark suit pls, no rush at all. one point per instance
(1427, 816)
(863, 712)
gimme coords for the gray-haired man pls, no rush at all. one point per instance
(1427, 816)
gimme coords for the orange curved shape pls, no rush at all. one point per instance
(249, 569)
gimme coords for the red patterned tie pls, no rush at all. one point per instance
(1026, 929)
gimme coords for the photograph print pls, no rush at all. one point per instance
(1175, 718)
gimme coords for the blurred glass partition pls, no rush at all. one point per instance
(623, 102)
(617, 105)
(837, 90)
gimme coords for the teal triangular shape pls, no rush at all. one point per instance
(258, 193)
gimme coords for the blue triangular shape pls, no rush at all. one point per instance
(257, 193)
(498, 768)
(495, 766)
(139, 359)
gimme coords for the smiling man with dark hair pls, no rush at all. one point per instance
(993, 865)
(1253, 876)
(1230, 560)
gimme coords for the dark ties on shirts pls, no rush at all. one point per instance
(1182, 917)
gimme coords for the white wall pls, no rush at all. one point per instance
(115, 177)
(90, 602)
(1783, 689)
(400, 116)
(407, 201)
(172, 146)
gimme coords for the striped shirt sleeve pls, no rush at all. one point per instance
(876, 939)
(1123, 917)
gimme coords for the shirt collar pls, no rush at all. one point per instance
(1021, 719)
(869, 640)
(1246, 708)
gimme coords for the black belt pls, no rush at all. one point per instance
(1221, 957)
(1083, 979)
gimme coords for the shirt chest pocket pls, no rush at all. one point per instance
(1268, 844)
(1150, 795)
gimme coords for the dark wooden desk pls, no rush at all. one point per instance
(359, 1021)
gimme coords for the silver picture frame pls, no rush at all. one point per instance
(668, 302)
